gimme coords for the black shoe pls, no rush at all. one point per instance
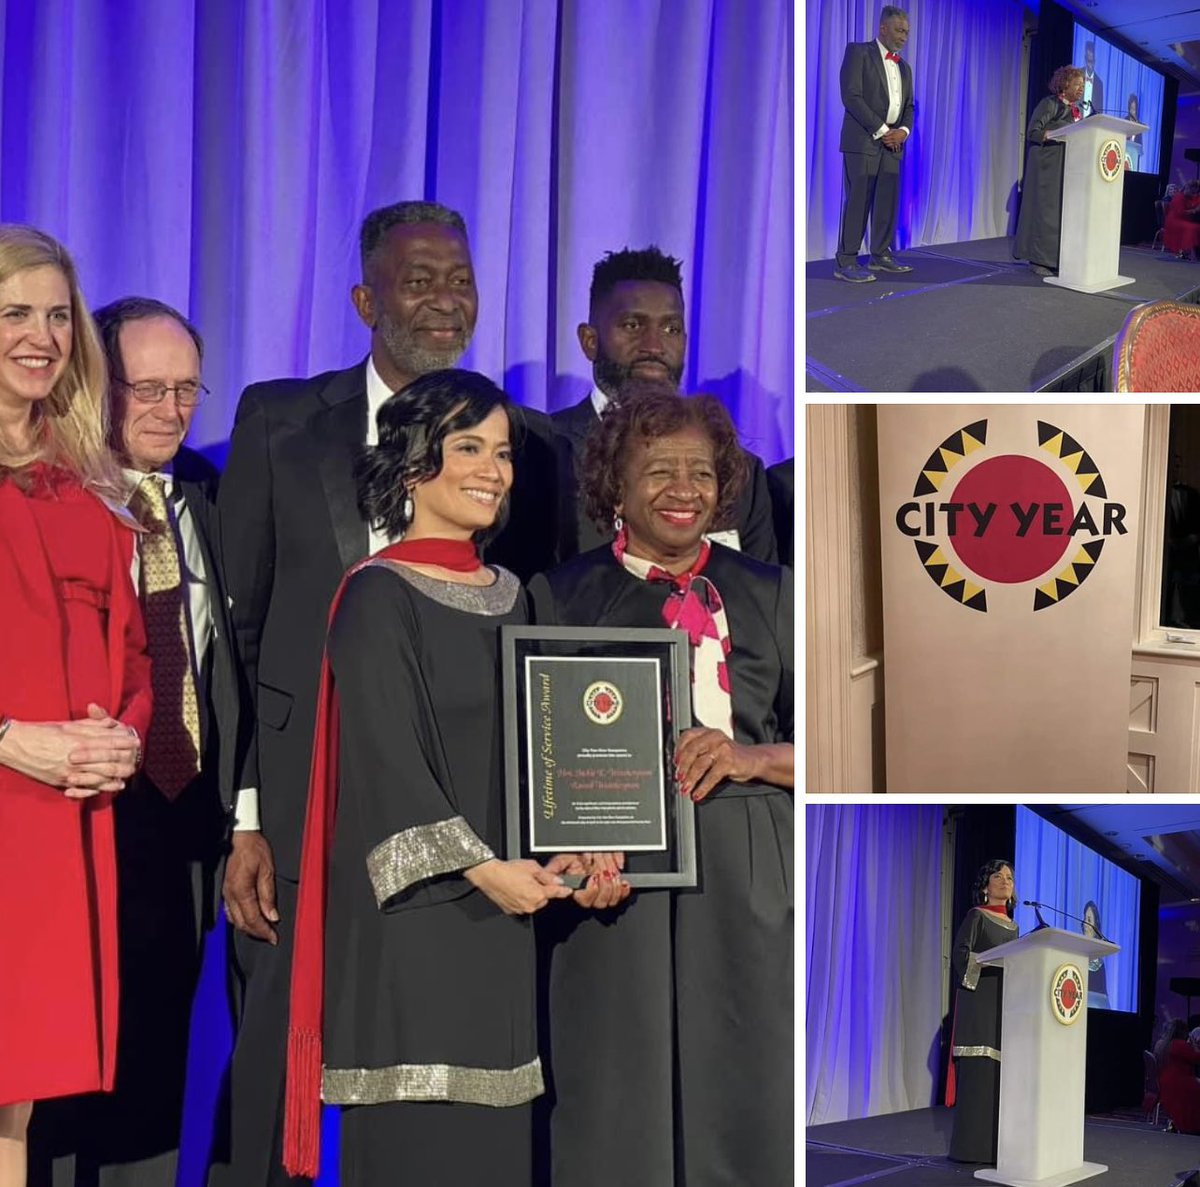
(888, 264)
(853, 273)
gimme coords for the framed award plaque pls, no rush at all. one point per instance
(591, 718)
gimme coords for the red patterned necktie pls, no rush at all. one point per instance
(173, 743)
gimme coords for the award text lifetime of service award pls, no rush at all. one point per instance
(592, 715)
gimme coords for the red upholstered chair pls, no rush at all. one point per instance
(1158, 349)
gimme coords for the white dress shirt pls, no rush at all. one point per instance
(895, 91)
(377, 392)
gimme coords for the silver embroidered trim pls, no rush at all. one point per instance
(423, 851)
(971, 976)
(983, 1052)
(499, 1087)
(492, 600)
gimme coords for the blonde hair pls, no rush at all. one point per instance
(71, 423)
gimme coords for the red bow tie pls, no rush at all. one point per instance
(893, 58)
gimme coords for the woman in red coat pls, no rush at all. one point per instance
(1178, 1088)
(74, 692)
(1181, 231)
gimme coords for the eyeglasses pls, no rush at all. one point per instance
(152, 391)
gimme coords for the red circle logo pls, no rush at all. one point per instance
(603, 704)
(1012, 551)
(1069, 994)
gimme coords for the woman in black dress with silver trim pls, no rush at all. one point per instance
(428, 1038)
(976, 1041)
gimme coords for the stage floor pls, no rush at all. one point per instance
(970, 318)
(909, 1150)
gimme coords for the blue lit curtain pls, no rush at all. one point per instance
(1123, 76)
(1054, 868)
(960, 164)
(220, 155)
(874, 951)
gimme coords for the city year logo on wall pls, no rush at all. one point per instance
(1009, 519)
(1066, 994)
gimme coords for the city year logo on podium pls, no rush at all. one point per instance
(1112, 158)
(980, 522)
(1066, 994)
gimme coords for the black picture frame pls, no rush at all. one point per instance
(591, 719)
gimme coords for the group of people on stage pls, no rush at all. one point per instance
(877, 95)
(278, 689)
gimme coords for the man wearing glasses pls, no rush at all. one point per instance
(171, 818)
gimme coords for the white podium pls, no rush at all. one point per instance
(1042, 1061)
(1093, 185)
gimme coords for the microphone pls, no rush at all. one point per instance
(1040, 921)
(1059, 911)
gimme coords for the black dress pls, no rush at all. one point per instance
(671, 1019)
(1039, 223)
(976, 1049)
(429, 997)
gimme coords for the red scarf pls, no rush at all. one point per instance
(694, 605)
(302, 1108)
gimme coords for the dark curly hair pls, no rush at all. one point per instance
(647, 263)
(413, 424)
(1062, 76)
(979, 886)
(646, 411)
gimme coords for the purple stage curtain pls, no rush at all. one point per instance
(873, 922)
(960, 164)
(220, 155)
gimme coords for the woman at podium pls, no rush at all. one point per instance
(975, 1043)
(1040, 221)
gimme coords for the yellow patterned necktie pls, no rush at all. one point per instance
(173, 745)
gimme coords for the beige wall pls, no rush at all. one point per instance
(844, 627)
(1012, 699)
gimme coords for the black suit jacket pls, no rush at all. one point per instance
(865, 98)
(752, 515)
(781, 481)
(1097, 95)
(290, 527)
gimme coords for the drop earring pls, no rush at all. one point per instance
(407, 510)
(618, 524)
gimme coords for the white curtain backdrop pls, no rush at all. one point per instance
(873, 939)
(960, 164)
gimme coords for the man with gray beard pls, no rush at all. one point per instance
(290, 528)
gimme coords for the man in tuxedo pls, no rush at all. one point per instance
(635, 331)
(877, 93)
(1093, 85)
(290, 528)
(171, 818)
